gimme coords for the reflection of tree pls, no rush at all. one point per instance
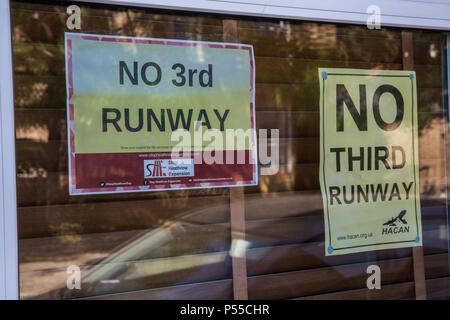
(432, 160)
(39, 66)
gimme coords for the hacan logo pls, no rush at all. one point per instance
(392, 227)
(154, 169)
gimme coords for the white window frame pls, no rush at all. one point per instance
(9, 266)
(394, 13)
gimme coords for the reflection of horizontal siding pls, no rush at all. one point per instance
(398, 291)
(214, 290)
(135, 275)
(301, 263)
(49, 92)
(284, 213)
(47, 26)
(51, 156)
(304, 208)
(291, 124)
(436, 289)
(194, 239)
(314, 281)
(53, 189)
(338, 282)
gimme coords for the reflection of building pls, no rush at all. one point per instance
(432, 162)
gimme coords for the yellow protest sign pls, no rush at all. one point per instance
(126, 101)
(369, 175)
(148, 114)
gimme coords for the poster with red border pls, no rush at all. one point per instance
(148, 114)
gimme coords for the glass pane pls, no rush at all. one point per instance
(176, 244)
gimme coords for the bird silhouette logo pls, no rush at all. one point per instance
(400, 218)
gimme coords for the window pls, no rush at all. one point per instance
(177, 244)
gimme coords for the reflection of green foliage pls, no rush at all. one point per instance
(278, 97)
(38, 59)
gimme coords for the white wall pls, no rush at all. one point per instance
(429, 14)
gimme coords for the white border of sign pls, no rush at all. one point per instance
(172, 42)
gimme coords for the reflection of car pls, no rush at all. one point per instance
(185, 250)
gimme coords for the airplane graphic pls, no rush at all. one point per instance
(392, 221)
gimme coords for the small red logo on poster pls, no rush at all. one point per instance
(154, 169)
